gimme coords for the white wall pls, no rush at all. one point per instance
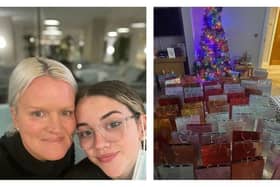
(7, 54)
(241, 25)
(162, 42)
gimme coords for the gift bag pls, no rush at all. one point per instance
(183, 153)
(245, 135)
(243, 150)
(215, 154)
(214, 138)
(215, 172)
(169, 100)
(184, 171)
(248, 169)
(199, 128)
(181, 122)
(212, 92)
(276, 173)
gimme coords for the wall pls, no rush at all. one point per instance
(7, 54)
(161, 43)
(243, 28)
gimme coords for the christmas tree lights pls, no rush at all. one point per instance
(213, 60)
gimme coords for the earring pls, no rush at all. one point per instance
(17, 129)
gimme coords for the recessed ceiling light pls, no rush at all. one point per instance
(51, 22)
(138, 25)
(112, 34)
(3, 42)
(123, 30)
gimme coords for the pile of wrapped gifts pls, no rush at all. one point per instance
(225, 129)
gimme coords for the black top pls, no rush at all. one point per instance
(17, 163)
(86, 170)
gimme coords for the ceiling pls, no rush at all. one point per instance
(75, 16)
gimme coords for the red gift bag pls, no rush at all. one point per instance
(169, 100)
(234, 95)
(183, 153)
(237, 101)
(245, 135)
(199, 128)
(210, 92)
(215, 172)
(243, 150)
(276, 173)
(248, 169)
(215, 154)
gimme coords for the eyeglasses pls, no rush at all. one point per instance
(112, 130)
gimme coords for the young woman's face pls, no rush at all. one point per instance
(116, 140)
(44, 116)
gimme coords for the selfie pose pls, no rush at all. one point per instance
(42, 101)
(111, 126)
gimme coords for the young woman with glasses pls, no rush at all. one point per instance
(111, 125)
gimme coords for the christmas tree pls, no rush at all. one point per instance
(212, 59)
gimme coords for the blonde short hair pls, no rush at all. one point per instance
(31, 68)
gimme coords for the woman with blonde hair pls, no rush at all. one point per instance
(42, 101)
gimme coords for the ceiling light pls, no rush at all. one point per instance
(79, 66)
(110, 50)
(123, 30)
(138, 25)
(3, 42)
(51, 22)
(112, 34)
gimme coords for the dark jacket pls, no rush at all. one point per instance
(17, 163)
(85, 169)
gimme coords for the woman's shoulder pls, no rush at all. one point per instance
(8, 167)
(85, 169)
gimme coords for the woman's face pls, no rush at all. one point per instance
(117, 136)
(44, 116)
